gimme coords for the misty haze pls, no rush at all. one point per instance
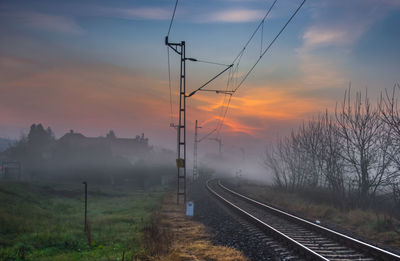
(199, 130)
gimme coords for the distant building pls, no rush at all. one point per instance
(128, 148)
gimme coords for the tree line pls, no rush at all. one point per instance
(76, 157)
(353, 153)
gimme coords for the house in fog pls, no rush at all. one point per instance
(131, 149)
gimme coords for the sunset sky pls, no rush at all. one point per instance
(93, 66)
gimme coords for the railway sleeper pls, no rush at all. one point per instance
(302, 234)
(344, 257)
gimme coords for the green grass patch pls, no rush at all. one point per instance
(46, 221)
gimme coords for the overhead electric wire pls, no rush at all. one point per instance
(232, 80)
(255, 31)
(233, 77)
(236, 71)
(224, 116)
(169, 66)
(225, 108)
(205, 136)
(262, 37)
(221, 111)
(262, 53)
(170, 89)
(172, 18)
(196, 60)
(269, 46)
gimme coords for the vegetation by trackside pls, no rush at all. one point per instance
(171, 236)
(45, 221)
(350, 157)
(372, 225)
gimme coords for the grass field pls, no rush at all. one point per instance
(45, 221)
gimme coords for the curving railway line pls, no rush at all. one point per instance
(301, 239)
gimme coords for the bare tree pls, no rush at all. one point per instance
(365, 143)
(390, 114)
(286, 162)
(358, 148)
(308, 158)
(332, 162)
(274, 162)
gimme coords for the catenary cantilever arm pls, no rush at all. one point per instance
(212, 79)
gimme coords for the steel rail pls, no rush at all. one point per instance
(376, 251)
(309, 254)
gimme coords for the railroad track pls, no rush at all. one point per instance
(304, 239)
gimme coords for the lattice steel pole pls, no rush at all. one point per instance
(179, 48)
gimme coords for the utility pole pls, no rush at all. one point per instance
(196, 141)
(219, 140)
(86, 226)
(179, 48)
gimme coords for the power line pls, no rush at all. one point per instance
(223, 118)
(262, 37)
(169, 65)
(269, 46)
(232, 79)
(255, 31)
(262, 53)
(169, 85)
(207, 135)
(172, 18)
(221, 111)
(233, 82)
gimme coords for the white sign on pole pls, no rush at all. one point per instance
(189, 208)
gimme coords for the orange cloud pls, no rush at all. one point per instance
(254, 110)
(94, 98)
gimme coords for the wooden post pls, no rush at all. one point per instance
(85, 183)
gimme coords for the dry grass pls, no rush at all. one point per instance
(188, 240)
(368, 224)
